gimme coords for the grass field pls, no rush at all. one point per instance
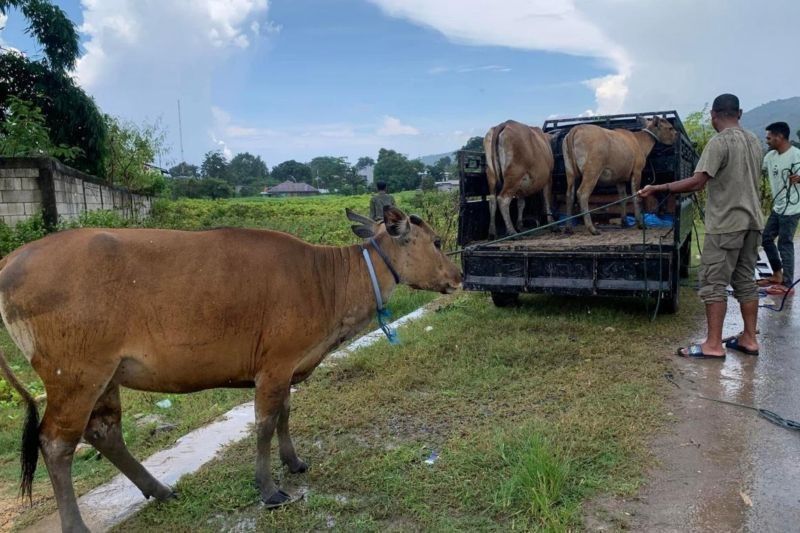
(319, 220)
(528, 412)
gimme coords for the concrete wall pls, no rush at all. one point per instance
(29, 185)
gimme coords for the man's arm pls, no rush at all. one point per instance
(696, 182)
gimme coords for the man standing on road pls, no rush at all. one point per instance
(782, 165)
(379, 201)
(730, 169)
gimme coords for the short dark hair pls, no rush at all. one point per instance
(780, 128)
(726, 105)
(380, 185)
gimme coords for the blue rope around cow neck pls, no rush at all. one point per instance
(383, 314)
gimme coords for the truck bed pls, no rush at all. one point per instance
(611, 238)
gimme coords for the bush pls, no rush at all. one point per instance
(25, 231)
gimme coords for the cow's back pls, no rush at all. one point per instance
(133, 292)
(601, 148)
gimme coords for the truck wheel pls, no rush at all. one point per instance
(669, 306)
(685, 257)
(505, 299)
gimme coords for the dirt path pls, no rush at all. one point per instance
(723, 468)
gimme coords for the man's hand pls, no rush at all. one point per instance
(649, 190)
(795, 179)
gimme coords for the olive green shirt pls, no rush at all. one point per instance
(733, 159)
(377, 203)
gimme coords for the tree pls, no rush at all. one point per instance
(247, 169)
(698, 128)
(131, 150)
(214, 166)
(292, 171)
(364, 162)
(71, 116)
(182, 170)
(24, 133)
(474, 143)
(201, 188)
(329, 172)
(438, 171)
(397, 170)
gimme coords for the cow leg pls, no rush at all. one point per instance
(288, 455)
(520, 209)
(270, 395)
(624, 205)
(584, 192)
(570, 201)
(68, 410)
(104, 432)
(547, 193)
(505, 210)
(492, 215)
(636, 181)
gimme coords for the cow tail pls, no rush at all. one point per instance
(569, 155)
(494, 146)
(29, 452)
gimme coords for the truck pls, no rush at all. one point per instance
(620, 262)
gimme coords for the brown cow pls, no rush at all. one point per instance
(598, 155)
(519, 163)
(94, 310)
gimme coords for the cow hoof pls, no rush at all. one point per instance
(298, 467)
(568, 231)
(594, 231)
(162, 493)
(277, 499)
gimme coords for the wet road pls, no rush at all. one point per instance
(724, 468)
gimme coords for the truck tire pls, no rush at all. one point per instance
(685, 257)
(505, 299)
(669, 306)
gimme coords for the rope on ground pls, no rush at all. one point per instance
(771, 416)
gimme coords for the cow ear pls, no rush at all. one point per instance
(641, 120)
(656, 120)
(355, 217)
(363, 231)
(397, 223)
(365, 228)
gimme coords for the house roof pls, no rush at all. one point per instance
(290, 187)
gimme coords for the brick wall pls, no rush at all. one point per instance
(29, 185)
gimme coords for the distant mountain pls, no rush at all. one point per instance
(787, 110)
(432, 159)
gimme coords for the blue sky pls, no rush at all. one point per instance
(294, 79)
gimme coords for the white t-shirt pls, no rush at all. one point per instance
(778, 168)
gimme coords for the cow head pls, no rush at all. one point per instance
(662, 129)
(413, 248)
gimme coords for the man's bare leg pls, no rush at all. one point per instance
(715, 316)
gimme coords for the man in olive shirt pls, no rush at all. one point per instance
(730, 170)
(379, 201)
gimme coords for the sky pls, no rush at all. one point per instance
(296, 79)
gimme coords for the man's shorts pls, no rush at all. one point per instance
(729, 259)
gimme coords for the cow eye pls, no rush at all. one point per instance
(438, 244)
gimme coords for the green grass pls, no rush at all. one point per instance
(531, 410)
(318, 220)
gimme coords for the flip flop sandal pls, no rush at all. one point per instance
(733, 344)
(694, 351)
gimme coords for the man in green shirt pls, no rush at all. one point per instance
(782, 165)
(730, 170)
(379, 201)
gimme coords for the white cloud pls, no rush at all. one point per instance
(525, 24)
(465, 70)
(141, 56)
(674, 55)
(392, 126)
